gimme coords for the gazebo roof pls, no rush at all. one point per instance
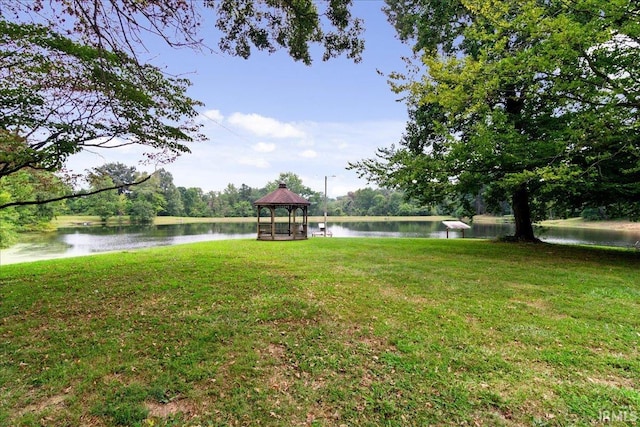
(282, 196)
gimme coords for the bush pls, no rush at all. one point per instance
(142, 212)
(593, 214)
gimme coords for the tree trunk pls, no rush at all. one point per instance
(522, 214)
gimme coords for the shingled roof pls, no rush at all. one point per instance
(282, 196)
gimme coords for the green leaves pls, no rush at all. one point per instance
(292, 25)
(533, 96)
(60, 96)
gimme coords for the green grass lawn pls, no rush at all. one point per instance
(326, 332)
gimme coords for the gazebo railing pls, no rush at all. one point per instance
(282, 229)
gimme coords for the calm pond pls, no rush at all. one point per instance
(68, 242)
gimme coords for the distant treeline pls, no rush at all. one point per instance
(159, 196)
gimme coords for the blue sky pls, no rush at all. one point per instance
(269, 114)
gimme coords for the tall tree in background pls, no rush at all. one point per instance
(105, 203)
(146, 201)
(193, 201)
(109, 189)
(294, 183)
(173, 205)
(532, 102)
(73, 76)
(119, 173)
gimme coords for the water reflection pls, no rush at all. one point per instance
(433, 229)
(586, 236)
(67, 242)
(88, 240)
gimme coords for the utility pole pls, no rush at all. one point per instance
(325, 204)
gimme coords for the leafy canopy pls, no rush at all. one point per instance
(529, 100)
(60, 97)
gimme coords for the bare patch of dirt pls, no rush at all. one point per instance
(48, 403)
(163, 410)
(276, 351)
(613, 381)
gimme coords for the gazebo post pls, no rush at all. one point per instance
(305, 224)
(294, 230)
(273, 222)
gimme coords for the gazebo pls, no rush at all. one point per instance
(297, 209)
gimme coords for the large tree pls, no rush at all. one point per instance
(59, 97)
(74, 75)
(531, 102)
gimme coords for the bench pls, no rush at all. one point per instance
(456, 225)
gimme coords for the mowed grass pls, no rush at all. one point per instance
(324, 332)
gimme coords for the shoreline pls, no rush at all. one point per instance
(64, 221)
(92, 221)
(612, 225)
(617, 225)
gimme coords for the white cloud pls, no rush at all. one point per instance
(255, 162)
(264, 147)
(228, 158)
(214, 115)
(265, 126)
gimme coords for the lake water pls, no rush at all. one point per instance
(78, 241)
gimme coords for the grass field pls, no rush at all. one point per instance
(324, 332)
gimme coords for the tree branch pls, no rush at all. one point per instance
(73, 196)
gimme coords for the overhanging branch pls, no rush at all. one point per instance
(73, 196)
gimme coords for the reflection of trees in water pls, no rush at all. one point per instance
(589, 236)
(48, 245)
(425, 228)
(106, 230)
(490, 231)
(190, 229)
(409, 227)
(216, 228)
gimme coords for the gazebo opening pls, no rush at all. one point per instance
(282, 215)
